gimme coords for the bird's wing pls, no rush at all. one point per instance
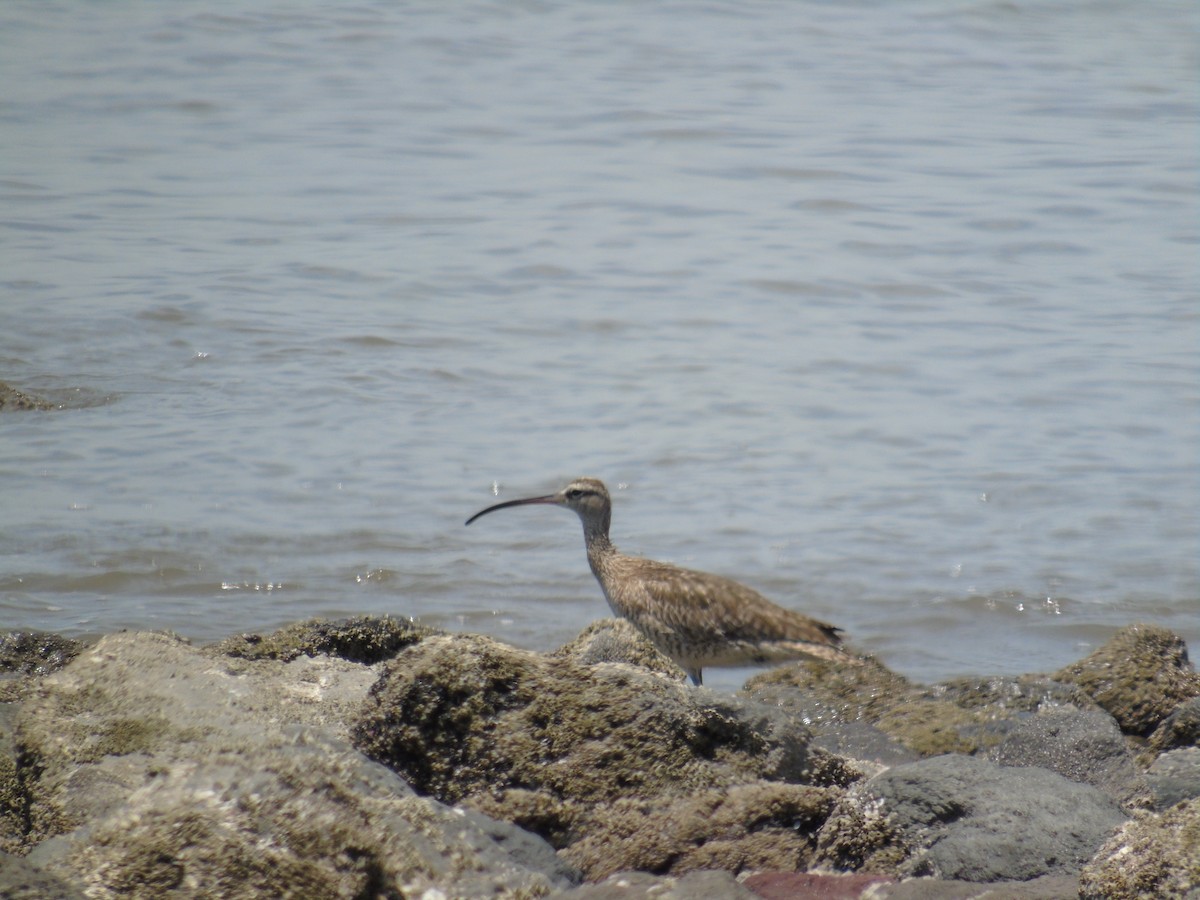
(691, 602)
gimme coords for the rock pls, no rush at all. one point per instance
(644, 886)
(35, 652)
(863, 742)
(1180, 729)
(1020, 693)
(963, 818)
(363, 639)
(12, 399)
(1139, 677)
(1153, 855)
(1048, 887)
(1174, 777)
(618, 767)
(21, 880)
(763, 825)
(150, 765)
(617, 641)
(26, 656)
(825, 697)
(12, 795)
(792, 885)
(1082, 745)
(461, 714)
(308, 811)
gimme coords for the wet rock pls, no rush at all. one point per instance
(12, 399)
(1153, 855)
(1139, 677)
(963, 818)
(363, 639)
(1174, 777)
(150, 765)
(1082, 745)
(26, 656)
(35, 652)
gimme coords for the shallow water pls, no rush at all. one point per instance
(888, 310)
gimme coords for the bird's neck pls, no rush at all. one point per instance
(595, 538)
(600, 554)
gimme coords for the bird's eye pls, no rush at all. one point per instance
(574, 494)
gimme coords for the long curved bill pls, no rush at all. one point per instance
(549, 498)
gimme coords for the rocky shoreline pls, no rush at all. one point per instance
(373, 758)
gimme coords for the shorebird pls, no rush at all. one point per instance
(695, 618)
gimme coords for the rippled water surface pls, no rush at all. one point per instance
(889, 310)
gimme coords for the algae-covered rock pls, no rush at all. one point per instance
(963, 818)
(825, 696)
(617, 641)
(306, 816)
(363, 639)
(463, 714)
(26, 656)
(167, 770)
(36, 652)
(12, 399)
(1139, 677)
(755, 826)
(622, 767)
(1012, 693)
(1152, 856)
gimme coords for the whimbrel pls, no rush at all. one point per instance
(694, 618)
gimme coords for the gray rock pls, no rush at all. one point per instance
(861, 741)
(644, 886)
(1048, 887)
(1175, 777)
(1180, 729)
(22, 880)
(963, 818)
(150, 764)
(1083, 745)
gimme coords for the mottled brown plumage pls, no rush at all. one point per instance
(695, 618)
